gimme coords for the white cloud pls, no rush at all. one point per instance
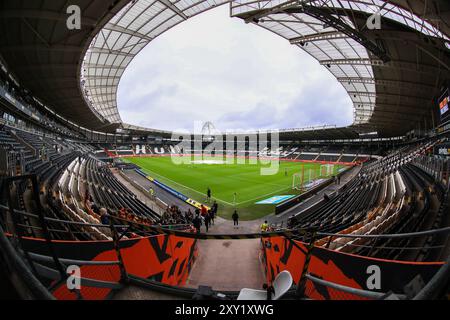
(216, 68)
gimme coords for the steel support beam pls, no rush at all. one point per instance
(325, 15)
(175, 9)
(389, 83)
(105, 102)
(401, 65)
(102, 86)
(103, 78)
(332, 35)
(101, 66)
(108, 51)
(362, 94)
(114, 27)
(358, 61)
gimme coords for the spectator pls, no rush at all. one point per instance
(197, 222)
(264, 226)
(214, 211)
(204, 211)
(235, 218)
(208, 220)
(95, 208)
(208, 195)
(104, 218)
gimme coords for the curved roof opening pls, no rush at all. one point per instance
(240, 77)
(371, 63)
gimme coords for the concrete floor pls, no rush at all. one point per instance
(229, 265)
(138, 293)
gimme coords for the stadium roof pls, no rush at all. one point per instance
(45, 56)
(391, 74)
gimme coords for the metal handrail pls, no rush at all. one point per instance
(436, 284)
(386, 248)
(389, 236)
(350, 290)
(164, 229)
(96, 225)
(43, 258)
(18, 265)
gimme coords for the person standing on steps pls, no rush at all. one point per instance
(197, 222)
(208, 220)
(265, 227)
(151, 192)
(235, 218)
(214, 211)
(203, 211)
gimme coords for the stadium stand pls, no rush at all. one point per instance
(108, 192)
(391, 195)
(66, 199)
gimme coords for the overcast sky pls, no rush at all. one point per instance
(239, 76)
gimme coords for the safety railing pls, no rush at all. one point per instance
(58, 271)
(435, 287)
(37, 264)
(371, 240)
(352, 291)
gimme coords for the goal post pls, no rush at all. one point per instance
(297, 181)
(327, 170)
(311, 174)
(301, 179)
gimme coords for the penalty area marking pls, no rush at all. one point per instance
(210, 162)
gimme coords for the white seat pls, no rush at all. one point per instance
(281, 285)
(252, 294)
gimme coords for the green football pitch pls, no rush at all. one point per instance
(194, 176)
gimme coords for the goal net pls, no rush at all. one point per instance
(301, 180)
(326, 170)
(297, 181)
(307, 177)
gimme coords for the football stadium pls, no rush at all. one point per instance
(104, 198)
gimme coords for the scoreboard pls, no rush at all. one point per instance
(444, 106)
